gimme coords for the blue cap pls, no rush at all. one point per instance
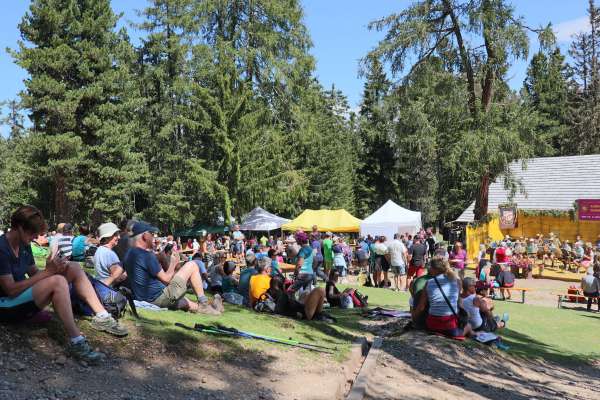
(141, 226)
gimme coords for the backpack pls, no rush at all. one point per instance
(358, 299)
(265, 304)
(114, 300)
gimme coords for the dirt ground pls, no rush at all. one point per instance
(412, 365)
(147, 369)
(420, 366)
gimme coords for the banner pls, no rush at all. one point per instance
(508, 217)
(588, 209)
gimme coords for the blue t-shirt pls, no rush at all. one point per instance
(316, 246)
(306, 253)
(142, 267)
(104, 258)
(201, 265)
(78, 251)
(15, 266)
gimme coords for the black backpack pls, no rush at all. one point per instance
(114, 300)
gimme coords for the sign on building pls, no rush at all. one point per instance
(508, 217)
(588, 209)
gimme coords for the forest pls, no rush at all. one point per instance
(218, 110)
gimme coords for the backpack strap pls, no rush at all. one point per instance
(445, 298)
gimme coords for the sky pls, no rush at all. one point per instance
(339, 33)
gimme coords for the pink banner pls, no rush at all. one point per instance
(588, 209)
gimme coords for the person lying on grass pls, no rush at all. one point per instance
(308, 306)
(441, 298)
(335, 298)
(25, 291)
(150, 283)
(475, 303)
(109, 269)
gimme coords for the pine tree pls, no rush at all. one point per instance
(77, 83)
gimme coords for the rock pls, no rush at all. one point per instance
(62, 360)
(203, 380)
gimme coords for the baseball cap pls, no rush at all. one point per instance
(141, 226)
(107, 230)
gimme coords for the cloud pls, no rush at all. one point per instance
(565, 30)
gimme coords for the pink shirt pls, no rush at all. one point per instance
(461, 256)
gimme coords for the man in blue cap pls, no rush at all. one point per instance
(166, 289)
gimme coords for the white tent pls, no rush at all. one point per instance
(390, 219)
(261, 220)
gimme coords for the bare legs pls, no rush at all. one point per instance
(314, 303)
(75, 275)
(190, 272)
(55, 290)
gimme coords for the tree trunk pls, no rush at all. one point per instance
(60, 198)
(481, 201)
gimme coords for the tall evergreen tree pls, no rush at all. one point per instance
(78, 97)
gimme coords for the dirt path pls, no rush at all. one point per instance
(420, 366)
(34, 367)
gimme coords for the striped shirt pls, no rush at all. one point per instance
(65, 246)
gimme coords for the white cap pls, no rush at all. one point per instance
(107, 230)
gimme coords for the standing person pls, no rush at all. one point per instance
(208, 250)
(431, 242)
(328, 252)
(458, 258)
(304, 262)
(150, 283)
(398, 260)
(107, 265)
(315, 244)
(417, 259)
(339, 261)
(381, 262)
(25, 290)
(237, 247)
(315, 232)
(362, 254)
(591, 287)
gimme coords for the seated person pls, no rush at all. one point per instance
(260, 283)
(442, 292)
(521, 265)
(505, 280)
(475, 303)
(245, 275)
(416, 291)
(150, 283)
(25, 290)
(107, 265)
(310, 306)
(335, 298)
(274, 263)
(591, 287)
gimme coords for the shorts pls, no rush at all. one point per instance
(399, 270)
(416, 270)
(171, 295)
(446, 325)
(303, 281)
(22, 307)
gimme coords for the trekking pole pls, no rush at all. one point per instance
(290, 340)
(212, 329)
(287, 342)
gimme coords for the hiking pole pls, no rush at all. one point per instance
(212, 329)
(249, 335)
(290, 340)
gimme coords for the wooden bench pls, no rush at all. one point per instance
(522, 290)
(567, 297)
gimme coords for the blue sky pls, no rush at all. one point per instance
(339, 33)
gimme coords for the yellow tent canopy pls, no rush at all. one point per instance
(326, 220)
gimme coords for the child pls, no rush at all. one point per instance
(339, 261)
(229, 284)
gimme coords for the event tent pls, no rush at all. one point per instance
(389, 219)
(326, 220)
(261, 220)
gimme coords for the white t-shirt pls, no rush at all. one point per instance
(380, 249)
(397, 250)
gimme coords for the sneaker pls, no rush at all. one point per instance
(109, 325)
(83, 352)
(217, 303)
(205, 308)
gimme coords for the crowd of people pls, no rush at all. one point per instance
(162, 271)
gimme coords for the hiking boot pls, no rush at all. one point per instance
(109, 325)
(217, 303)
(205, 308)
(83, 352)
